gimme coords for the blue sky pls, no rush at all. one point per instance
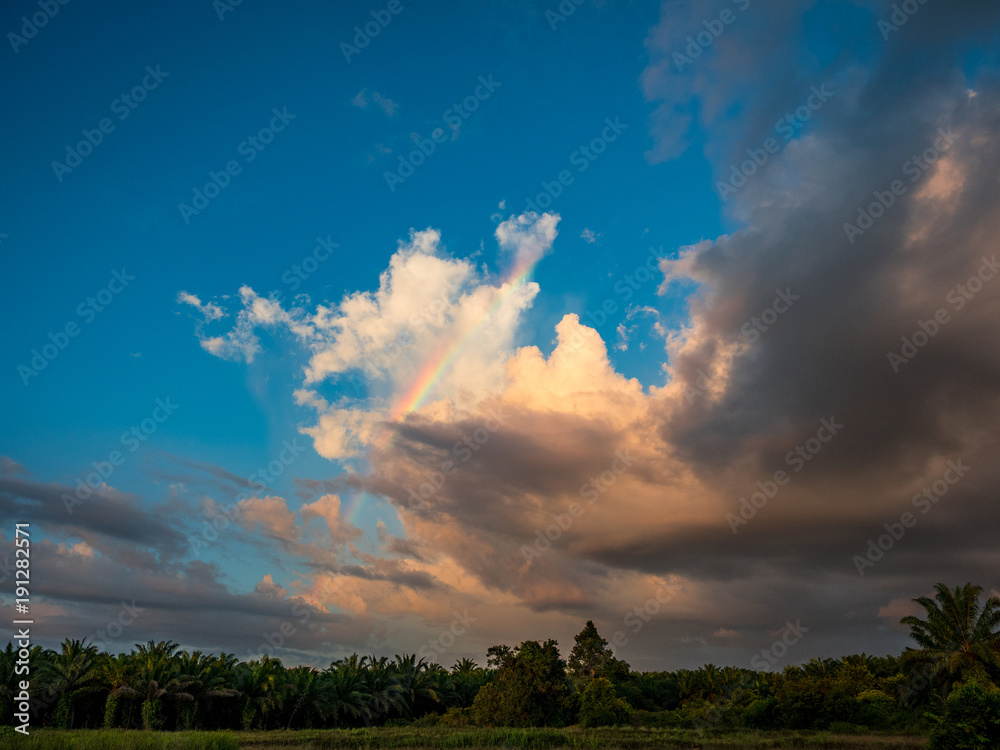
(208, 84)
(119, 208)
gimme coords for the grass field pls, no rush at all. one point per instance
(397, 738)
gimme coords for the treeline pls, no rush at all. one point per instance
(955, 666)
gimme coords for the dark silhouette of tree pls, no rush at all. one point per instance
(73, 671)
(589, 654)
(959, 635)
(530, 688)
(157, 685)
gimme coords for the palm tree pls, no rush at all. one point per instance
(821, 667)
(206, 677)
(159, 679)
(72, 671)
(118, 674)
(262, 686)
(384, 692)
(417, 684)
(313, 696)
(349, 690)
(959, 635)
(468, 678)
(8, 679)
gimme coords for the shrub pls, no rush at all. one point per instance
(600, 705)
(763, 713)
(875, 709)
(971, 720)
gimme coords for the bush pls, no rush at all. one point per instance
(763, 713)
(875, 709)
(530, 689)
(971, 720)
(600, 705)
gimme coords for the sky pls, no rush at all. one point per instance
(416, 326)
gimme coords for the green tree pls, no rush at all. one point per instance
(971, 720)
(312, 697)
(420, 687)
(590, 653)
(205, 677)
(350, 696)
(261, 686)
(468, 679)
(530, 688)
(72, 671)
(600, 706)
(119, 675)
(960, 636)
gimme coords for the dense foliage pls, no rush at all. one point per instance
(947, 685)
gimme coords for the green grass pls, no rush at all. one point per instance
(118, 739)
(398, 738)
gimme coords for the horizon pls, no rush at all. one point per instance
(387, 321)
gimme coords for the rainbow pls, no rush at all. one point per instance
(350, 507)
(440, 362)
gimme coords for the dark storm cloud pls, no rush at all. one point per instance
(170, 468)
(105, 514)
(824, 358)
(187, 603)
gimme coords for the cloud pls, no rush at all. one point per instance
(528, 237)
(362, 99)
(542, 489)
(210, 311)
(105, 518)
(588, 236)
(242, 342)
(427, 304)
